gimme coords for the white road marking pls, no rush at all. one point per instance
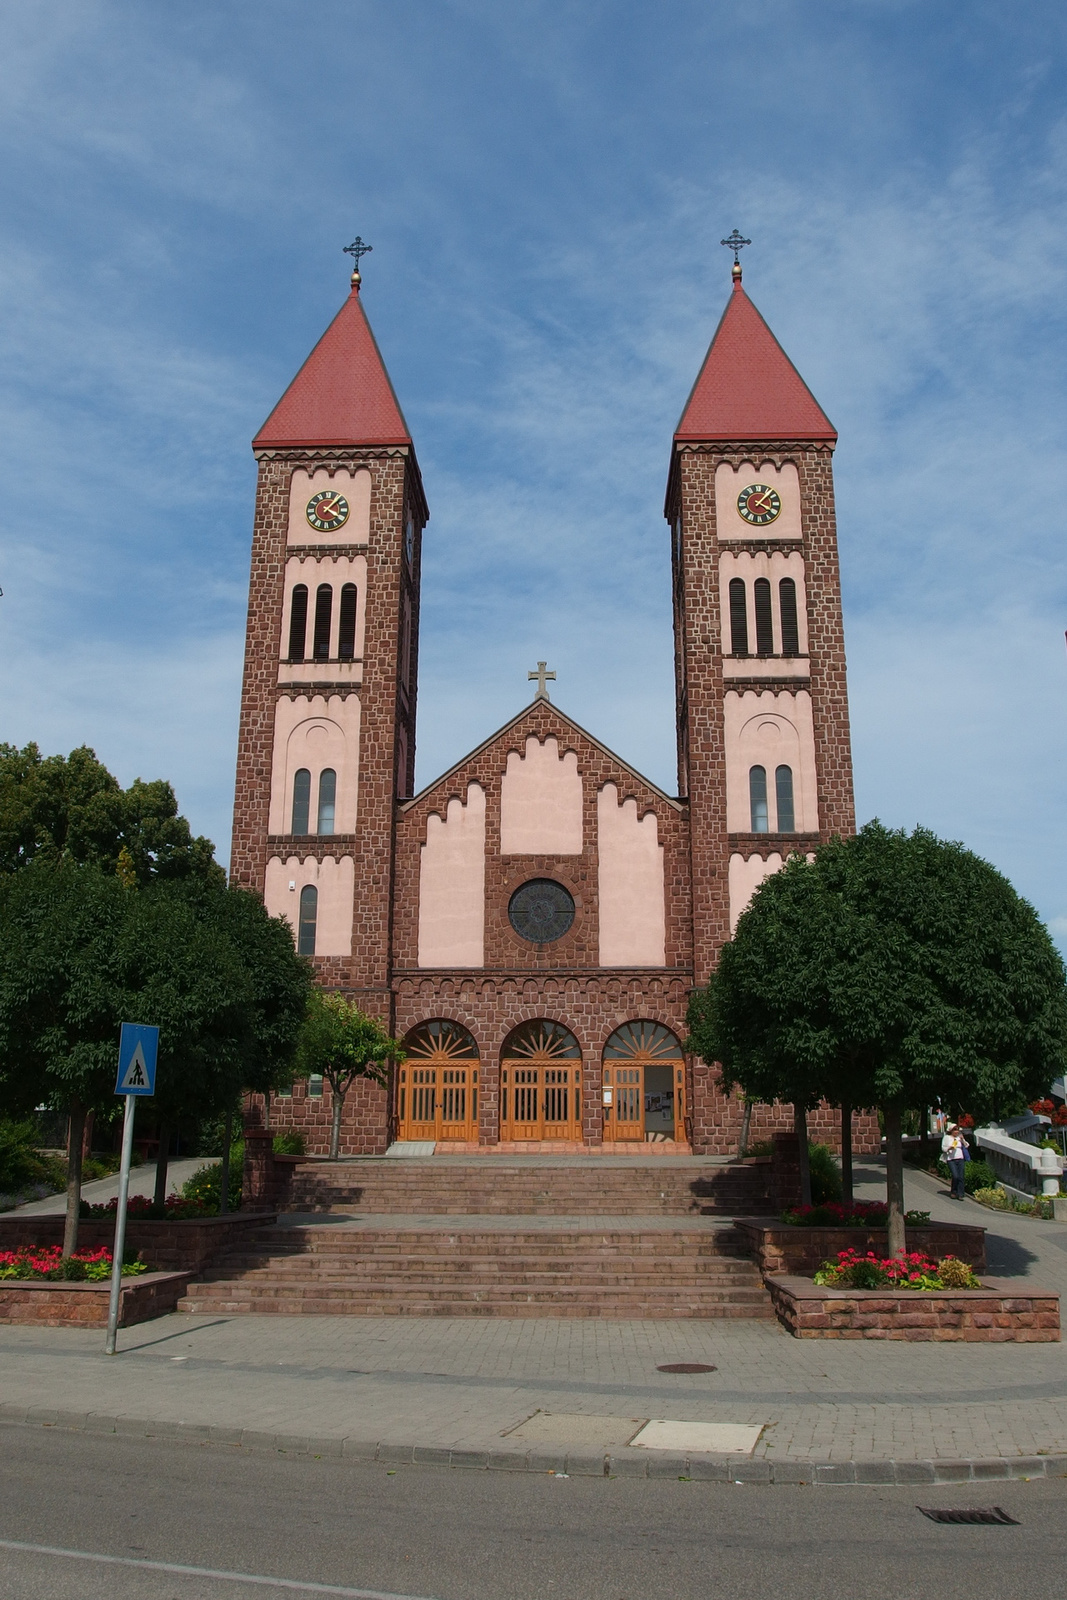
(206, 1572)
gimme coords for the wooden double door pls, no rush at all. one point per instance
(644, 1084)
(437, 1085)
(541, 1084)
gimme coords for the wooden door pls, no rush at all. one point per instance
(644, 1081)
(437, 1086)
(541, 1084)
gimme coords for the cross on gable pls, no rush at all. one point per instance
(541, 675)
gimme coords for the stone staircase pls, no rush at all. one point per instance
(587, 1187)
(511, 1238)
(456, 1270)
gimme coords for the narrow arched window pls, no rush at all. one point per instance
(309, 914)
(738, 618)
(327, 800)
(298, 622)
(783, 794)
(764, 627)
(301, 800)
(757, 794)
(320, 648)
(787, 606)
(346, 632)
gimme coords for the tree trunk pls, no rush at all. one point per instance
(227, 1141)
(800, 1123)
(335, 1131)
(746, 1128)
(74, 1175)
(87, 1137)
(266, 1108)
(846, 1152)
(894, 1179)
(159, 1199)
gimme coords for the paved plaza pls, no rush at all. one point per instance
(512, 1389)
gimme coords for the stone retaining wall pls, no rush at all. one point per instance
(777, 1247)
(171, 1245)
(43, 1304)
(998, 1313)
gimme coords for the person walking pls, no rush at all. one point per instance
(954, 1153)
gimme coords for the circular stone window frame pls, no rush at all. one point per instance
(531, 883)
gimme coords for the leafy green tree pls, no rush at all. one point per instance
(892, 970)
(342, 1043)
(71, 808)
(82, 952)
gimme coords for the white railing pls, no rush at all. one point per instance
(1019, 1163)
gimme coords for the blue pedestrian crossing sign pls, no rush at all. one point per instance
(138, 1049)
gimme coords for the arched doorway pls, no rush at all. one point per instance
(437, 1085)
(541, 1083)
(644, 1080)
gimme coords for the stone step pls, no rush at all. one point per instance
(474, 1300)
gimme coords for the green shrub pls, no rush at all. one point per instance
(825, 1174)
(289, 1144)
(206, 1183)
(976, 1175)
(21, 1167)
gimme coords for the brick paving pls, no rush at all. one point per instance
(445, 1384)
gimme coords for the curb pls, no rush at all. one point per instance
(585, 1464)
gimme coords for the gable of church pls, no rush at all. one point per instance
(541, 815)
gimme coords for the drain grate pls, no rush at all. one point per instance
(686, 1366)
(992, 1514)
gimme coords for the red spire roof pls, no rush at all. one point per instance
(748, 388)
(341, 395)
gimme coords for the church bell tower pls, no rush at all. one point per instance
(762, 708)
(327, 732)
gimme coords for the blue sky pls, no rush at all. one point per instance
(545, 186)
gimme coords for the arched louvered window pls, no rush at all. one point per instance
(738, 618)
(346, 631)
(309, 915)
(320, 648)
(298, 622)
(761, 593)
(327, 800)
(783, 794)
(301, 800)
(757, 794)
(787, 606)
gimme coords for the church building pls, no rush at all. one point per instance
(532, 923)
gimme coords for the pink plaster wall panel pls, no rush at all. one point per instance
(356, 488)
(773, 565)
(541, 802)
(452, 885)
(745, 879)
(729, 481)
(770, 730)
(336, 571)
(630, 887)
(333, 878)
(316, 732)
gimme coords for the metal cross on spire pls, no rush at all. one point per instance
(735, 243)
(356, 249)
(541, 675)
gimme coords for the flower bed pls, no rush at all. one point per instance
(177, 1208)
(1002, 1311)
(913, 1271)
(175, 1245)
(856, 1214)
(783, 1247)
(46, 1262)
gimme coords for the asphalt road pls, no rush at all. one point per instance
(441, 1534)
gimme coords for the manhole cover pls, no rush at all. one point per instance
(969, 1514)
(686, 1366)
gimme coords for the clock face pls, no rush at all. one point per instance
(758, 504)
(327, 510)
(409, 542)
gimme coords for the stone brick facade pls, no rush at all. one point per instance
(519, 981)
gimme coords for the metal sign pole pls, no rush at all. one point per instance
(119, 1247)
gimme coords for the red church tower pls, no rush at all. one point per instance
(533, 922)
